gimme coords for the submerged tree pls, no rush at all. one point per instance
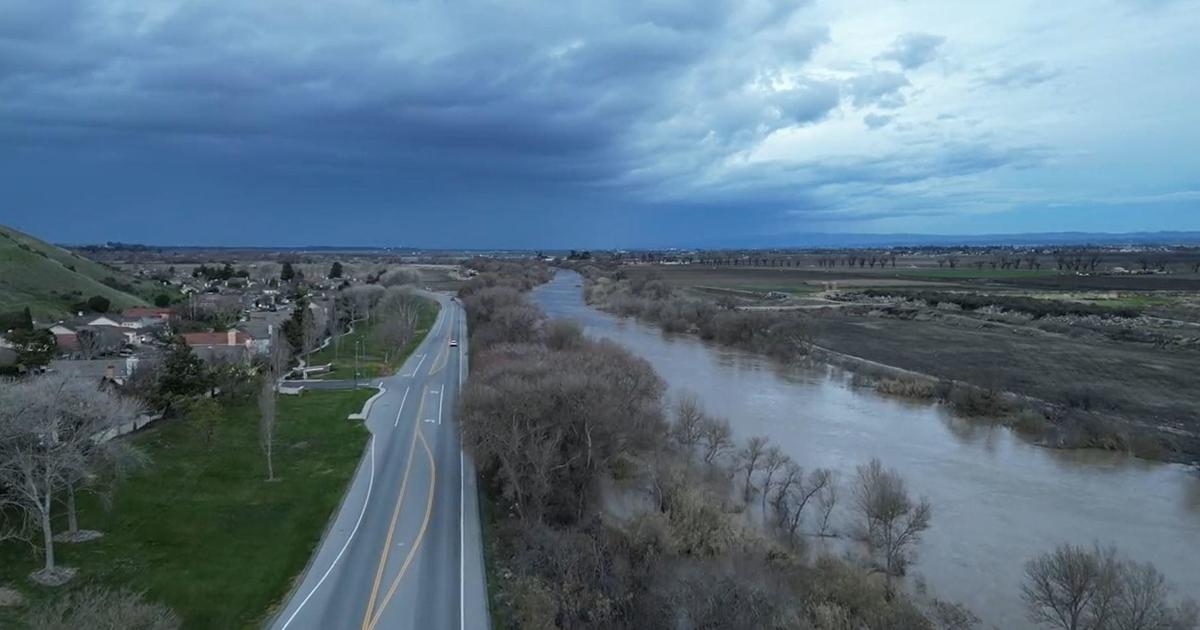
(892, 522)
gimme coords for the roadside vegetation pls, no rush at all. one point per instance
(380, 324)
(199, 529)
(611, 511)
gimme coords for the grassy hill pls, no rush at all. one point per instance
(49, 279)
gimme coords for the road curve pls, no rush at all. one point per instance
(405, 548)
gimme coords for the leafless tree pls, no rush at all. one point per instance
(396, 318)
(266, 422)
(1062, 587)
(800, 495)
(774, 460)
(688, 428)
(793, 475)
(98, 607)
(1142, 601)
(97, 342)
(827, 499)
(48, 430)
(277, 365)
(1077, 588)
(716, 438)
(892, 522)
(749, 460)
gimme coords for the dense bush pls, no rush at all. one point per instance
(1035, 307)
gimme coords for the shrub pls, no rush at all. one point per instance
(973, 401)
(907, 387)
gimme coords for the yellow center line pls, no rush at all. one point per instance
(412, 552)
(387, 545)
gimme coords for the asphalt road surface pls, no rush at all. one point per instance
(405, 548)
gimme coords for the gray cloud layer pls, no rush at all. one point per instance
(637, 104)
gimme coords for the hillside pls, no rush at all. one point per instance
(49, 279)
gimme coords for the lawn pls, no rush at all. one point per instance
(200, 529)
(377, 359)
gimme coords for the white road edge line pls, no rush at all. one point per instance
(462, 544)
(370, 484)
(397, 422)
(462, 514)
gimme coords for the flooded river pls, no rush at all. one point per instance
(997, 499)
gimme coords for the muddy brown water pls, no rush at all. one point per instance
(998, 500)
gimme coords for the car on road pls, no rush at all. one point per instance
(453, 343)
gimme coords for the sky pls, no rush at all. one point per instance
(594, 123)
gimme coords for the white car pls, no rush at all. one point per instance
(453, 343)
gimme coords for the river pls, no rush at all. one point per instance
(998, 500)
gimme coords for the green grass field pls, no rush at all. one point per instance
(376, 360)
(201, 530)
(49, 279)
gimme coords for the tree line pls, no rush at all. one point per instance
(561, 424)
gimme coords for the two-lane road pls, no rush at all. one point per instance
(405, 549)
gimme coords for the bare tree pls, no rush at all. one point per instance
(688, 428)
(277, 364)
(1061, 587)
(97, 342)
(827, 499)
(772, 462)
(266, 422)
(48, 427)
(1142, 601)
(749, 460)
(716, 438)
(311, 327)
(800, 495)
(1076, 588)
(793, 474)
(892, 522)
(396, 317)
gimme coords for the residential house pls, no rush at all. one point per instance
(116, 369)
(231, 345)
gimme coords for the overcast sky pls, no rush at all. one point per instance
(594, 123)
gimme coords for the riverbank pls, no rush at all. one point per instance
(1068, 376)
(999, 500)
(201, 530)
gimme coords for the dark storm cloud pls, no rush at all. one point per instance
(499, 114)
